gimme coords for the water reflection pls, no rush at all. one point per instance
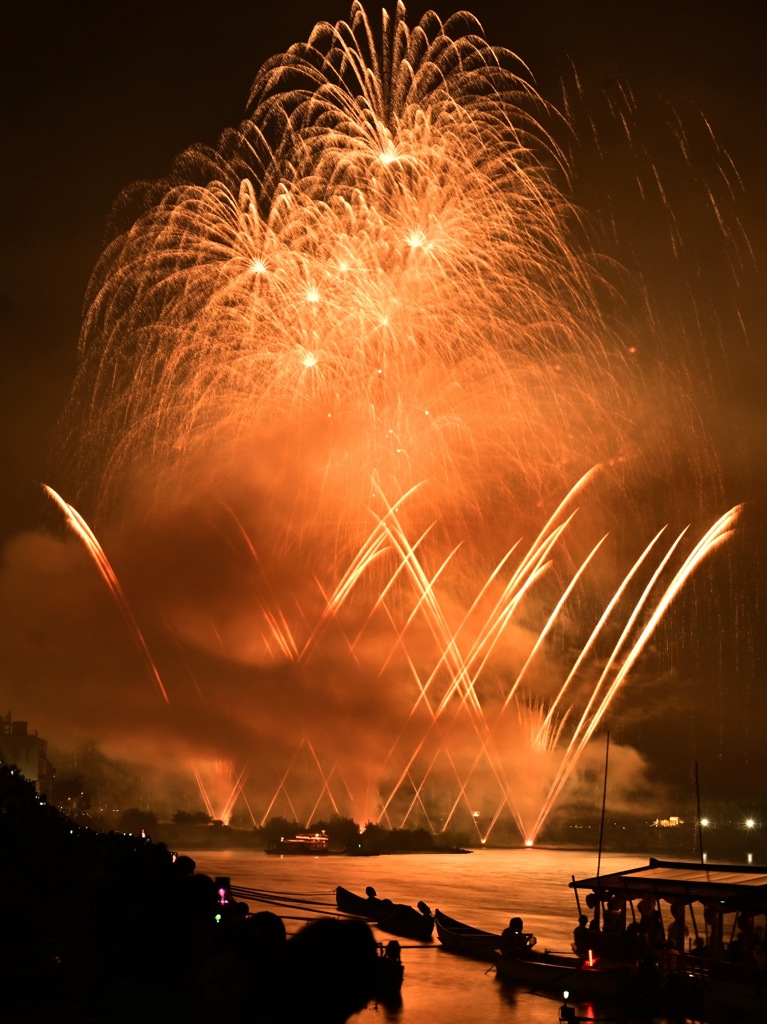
(484, 889)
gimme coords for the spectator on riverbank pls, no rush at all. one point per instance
(109, 928)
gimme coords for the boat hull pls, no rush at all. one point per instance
(394, 918)
(549, 972)
(464, 940)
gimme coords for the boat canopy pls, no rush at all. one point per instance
(731, 887)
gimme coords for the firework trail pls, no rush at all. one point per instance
(374, 303)
(94, 549)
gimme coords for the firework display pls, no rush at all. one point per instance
(351, 373)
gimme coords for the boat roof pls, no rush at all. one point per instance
(686, 882)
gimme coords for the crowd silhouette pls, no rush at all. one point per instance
(108, 927)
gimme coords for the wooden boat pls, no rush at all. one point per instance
(395, 918)
(465, 940)
(556, 972)
(716, 915)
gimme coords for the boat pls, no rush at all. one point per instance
(558, 972)
(395, 918)
(311, 844)
(704, 925)
(465, 940)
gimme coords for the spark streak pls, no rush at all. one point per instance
(79, 526)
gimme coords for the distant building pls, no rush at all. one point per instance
(27, 751)
(671, 822)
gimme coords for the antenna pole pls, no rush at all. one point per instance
(700, 827)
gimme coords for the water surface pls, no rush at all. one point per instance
(484, 888)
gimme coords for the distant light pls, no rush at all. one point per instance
(258, 265)
(750, 822)
(313, 294)
(704, 822)
(528, 843)
(475, 814)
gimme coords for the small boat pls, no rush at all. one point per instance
(556, 972)
(305, 844)
(465, 940)
(395, 918)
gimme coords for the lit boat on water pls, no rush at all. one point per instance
(311, 844)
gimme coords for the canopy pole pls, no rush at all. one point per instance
(601, 835)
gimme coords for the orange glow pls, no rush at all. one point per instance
(353, 376)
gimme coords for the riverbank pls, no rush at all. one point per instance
(733, 845)
(110, 928)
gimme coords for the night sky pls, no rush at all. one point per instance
(97, 96)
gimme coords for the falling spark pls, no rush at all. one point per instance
(79, 526)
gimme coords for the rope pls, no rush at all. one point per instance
(282, 892)
(282, 898)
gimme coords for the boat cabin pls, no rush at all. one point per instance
(710, 910)
(311, 843)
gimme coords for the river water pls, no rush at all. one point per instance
(484, 888)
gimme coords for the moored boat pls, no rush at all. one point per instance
(395, 918)
(702, 925)
(558, 972)
(465, 940)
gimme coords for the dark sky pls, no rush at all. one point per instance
(98, 95)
